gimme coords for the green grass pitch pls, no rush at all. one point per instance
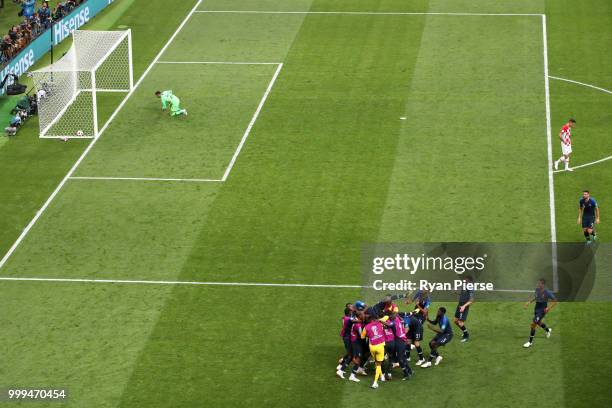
(301, 155)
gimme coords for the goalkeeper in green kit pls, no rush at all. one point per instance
(167, 97)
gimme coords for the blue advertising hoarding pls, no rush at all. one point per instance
(61, 30)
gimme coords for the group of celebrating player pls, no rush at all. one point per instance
(384, 334)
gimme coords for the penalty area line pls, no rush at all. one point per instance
(188, 180)
(192, 283)
(197, 283)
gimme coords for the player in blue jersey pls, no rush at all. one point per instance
(444, 334)
(588, 216)
(466, 298)
(381, 308)
(421, 302)
(541, 298)
(414, 328)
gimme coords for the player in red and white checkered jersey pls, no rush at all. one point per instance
(566, 144)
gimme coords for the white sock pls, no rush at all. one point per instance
(566, 163)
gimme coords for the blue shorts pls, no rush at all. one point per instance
(443, 338)
(400, 348)
(588, 222)
(462, 315)
(390, 349)
(347, 344)
(357, 349)
(538, 315)
(416, 334)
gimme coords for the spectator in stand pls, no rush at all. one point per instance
(58, 12)
(21, 42)
(27, 8)
(44, 15)
(25, 30)
(33, 25)
(36, 26)
(14, 33)
(6, 47)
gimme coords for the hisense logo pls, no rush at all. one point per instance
(18, 67)
(65, 27)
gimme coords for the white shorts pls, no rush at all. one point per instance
(566, 149)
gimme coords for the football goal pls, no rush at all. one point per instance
(67, 90)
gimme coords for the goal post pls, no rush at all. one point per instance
(68, 91)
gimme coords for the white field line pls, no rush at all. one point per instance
(159, 282)
(106, 90)
(46, 204)
(251, 123)
(196, 283)
(363, 13)
(587, 164)
(218, 62)
(551, 182)
(67, 137)
(193, 180)
(580, 83)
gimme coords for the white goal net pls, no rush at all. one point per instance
(68, 90)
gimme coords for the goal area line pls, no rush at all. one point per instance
(237, 150)
(219, 62)
(194, 180)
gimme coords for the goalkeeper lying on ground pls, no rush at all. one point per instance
(167, 97)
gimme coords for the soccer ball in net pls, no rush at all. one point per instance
(79, 133)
